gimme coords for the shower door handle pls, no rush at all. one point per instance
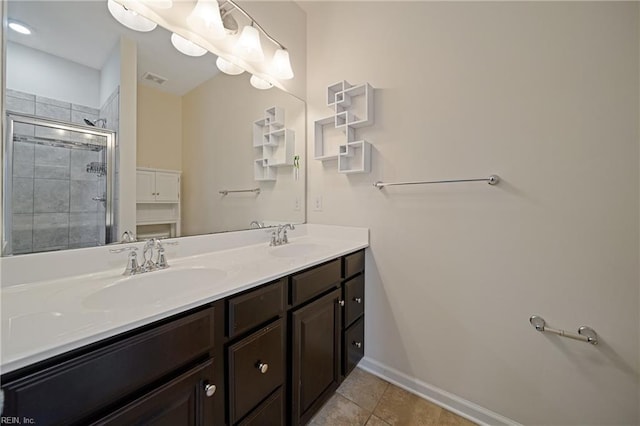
(99, 199)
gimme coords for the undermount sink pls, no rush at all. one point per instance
(153, 288)
(294, 249)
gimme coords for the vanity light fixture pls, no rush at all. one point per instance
(281, 65)
(187, 47)
(248, 46)
(160, 4)
(19, 27)
(228, 67)
(129, 18)
(205, 19)
(260, 83)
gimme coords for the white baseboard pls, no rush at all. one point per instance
(445, 399)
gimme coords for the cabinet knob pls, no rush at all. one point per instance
(357, 299)
(209, 389)
(263, 367)
(341, 302)
(357, 344)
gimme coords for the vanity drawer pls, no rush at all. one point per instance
(354, 299)
(353, 264)
(254, 308)
(269, 413)
(248, 383)
(73, 390)
(353, 346)
(314, 281)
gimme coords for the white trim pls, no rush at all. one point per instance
(445, 399)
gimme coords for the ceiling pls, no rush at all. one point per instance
(83, 31)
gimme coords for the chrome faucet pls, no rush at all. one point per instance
(148, 264)
(276, 239)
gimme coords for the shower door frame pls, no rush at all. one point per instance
(7, 178)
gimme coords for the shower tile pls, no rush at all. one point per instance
(47, 171)
(21, 95)
(84, 228)
(85, 109)
(53, 111)
(79, 161)
(22, 233)
(53, 102)
(52, 155)
(23, 159)
(50, 231)
(23, 129)
(22, 195)
(51, 133)
(20, 105)
(82, 193)
(51, 196)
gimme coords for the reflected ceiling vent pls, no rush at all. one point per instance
(155, 78)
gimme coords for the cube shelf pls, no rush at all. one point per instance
(335, 136)
(274, 144)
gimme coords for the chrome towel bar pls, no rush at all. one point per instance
(585, 334)
(491, 180)
(228, 191)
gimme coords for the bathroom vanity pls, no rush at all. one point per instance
(269, 353)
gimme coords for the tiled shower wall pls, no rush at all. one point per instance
(52, 191)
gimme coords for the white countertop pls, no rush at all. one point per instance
(45, 318)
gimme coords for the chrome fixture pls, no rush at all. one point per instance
(585, 334)
(148, 264)
(276, 238)
(128, 237)
(133, 267)
(256, 224)
(94, 123)
(229, 191)
(491, 180)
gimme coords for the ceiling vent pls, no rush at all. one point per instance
(155, 78)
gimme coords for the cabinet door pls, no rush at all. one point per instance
(315, 355)
(167, 187)
(182, 401)
(145, 186)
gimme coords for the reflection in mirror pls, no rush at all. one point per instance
(197, 133)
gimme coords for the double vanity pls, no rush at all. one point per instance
(233, 332)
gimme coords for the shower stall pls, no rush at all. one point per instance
(58, 185)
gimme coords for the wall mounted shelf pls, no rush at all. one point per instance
(273, 144)
(335, 136)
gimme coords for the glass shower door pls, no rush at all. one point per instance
(58, 186)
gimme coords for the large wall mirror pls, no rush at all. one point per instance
(213, 153)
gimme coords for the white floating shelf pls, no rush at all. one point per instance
(335, 136)
(273, 144)
(355, 157)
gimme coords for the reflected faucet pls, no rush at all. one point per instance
(256, 223)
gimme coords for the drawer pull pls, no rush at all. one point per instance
(263, 367)
(341, 302)
(209, 389)
(357, 299)
(357, 344)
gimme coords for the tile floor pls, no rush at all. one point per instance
(366, 400)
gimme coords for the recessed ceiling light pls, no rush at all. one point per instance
(19, 27)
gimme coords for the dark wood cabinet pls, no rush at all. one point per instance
(315, 357)
(174, 403)
(268, 356)
(76, 388)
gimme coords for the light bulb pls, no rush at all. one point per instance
(19, 27)
(248, 46)
(260, 83)
(129, 18)
(281, 65)
(228, 67)
(205, 19)
(186, 46)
